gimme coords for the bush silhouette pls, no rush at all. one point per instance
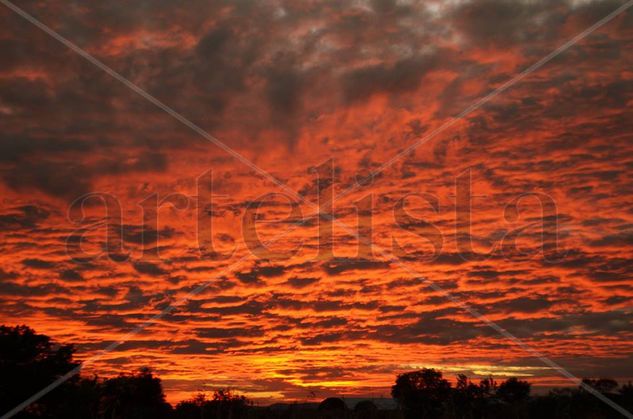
(222, 404)
(514, 390)
(365, 406)
(135, 396)
(30, 361)
(332, 404)
(422, 392)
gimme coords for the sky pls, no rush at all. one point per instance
(444, 227)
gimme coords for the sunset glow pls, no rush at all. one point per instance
(366, 237)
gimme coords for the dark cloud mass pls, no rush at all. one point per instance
(320, 95)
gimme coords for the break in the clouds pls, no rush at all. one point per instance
(290, 85)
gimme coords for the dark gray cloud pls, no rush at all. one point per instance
(339, 265)
(14, 289)
(231, 332)
(506, 23)
(255, 275)
(400, 77)
(149, 268)
(429, 330)
(26, 216)
(298, 282)
(38, 263)
(70, 275)
(522, 305)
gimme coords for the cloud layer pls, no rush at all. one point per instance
(291, 85)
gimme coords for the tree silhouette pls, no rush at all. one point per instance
(514, 394)
(332, 404)
(135, 396)
(365, 406)
(603, 385)
(422, 393)
(366, 409)
(466, 396)
(487, 387)
(29, 362)
(514, 390)
(223, 404)
(626, 396)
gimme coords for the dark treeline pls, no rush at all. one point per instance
(31, 361)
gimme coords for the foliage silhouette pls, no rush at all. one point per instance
(422, 392)
(30, 361)
(366, 409)
(332, 404)
(514, 390)
(135, 396)
(366, 406)
(223, 404)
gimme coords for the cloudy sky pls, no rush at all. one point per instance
(519, 212)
